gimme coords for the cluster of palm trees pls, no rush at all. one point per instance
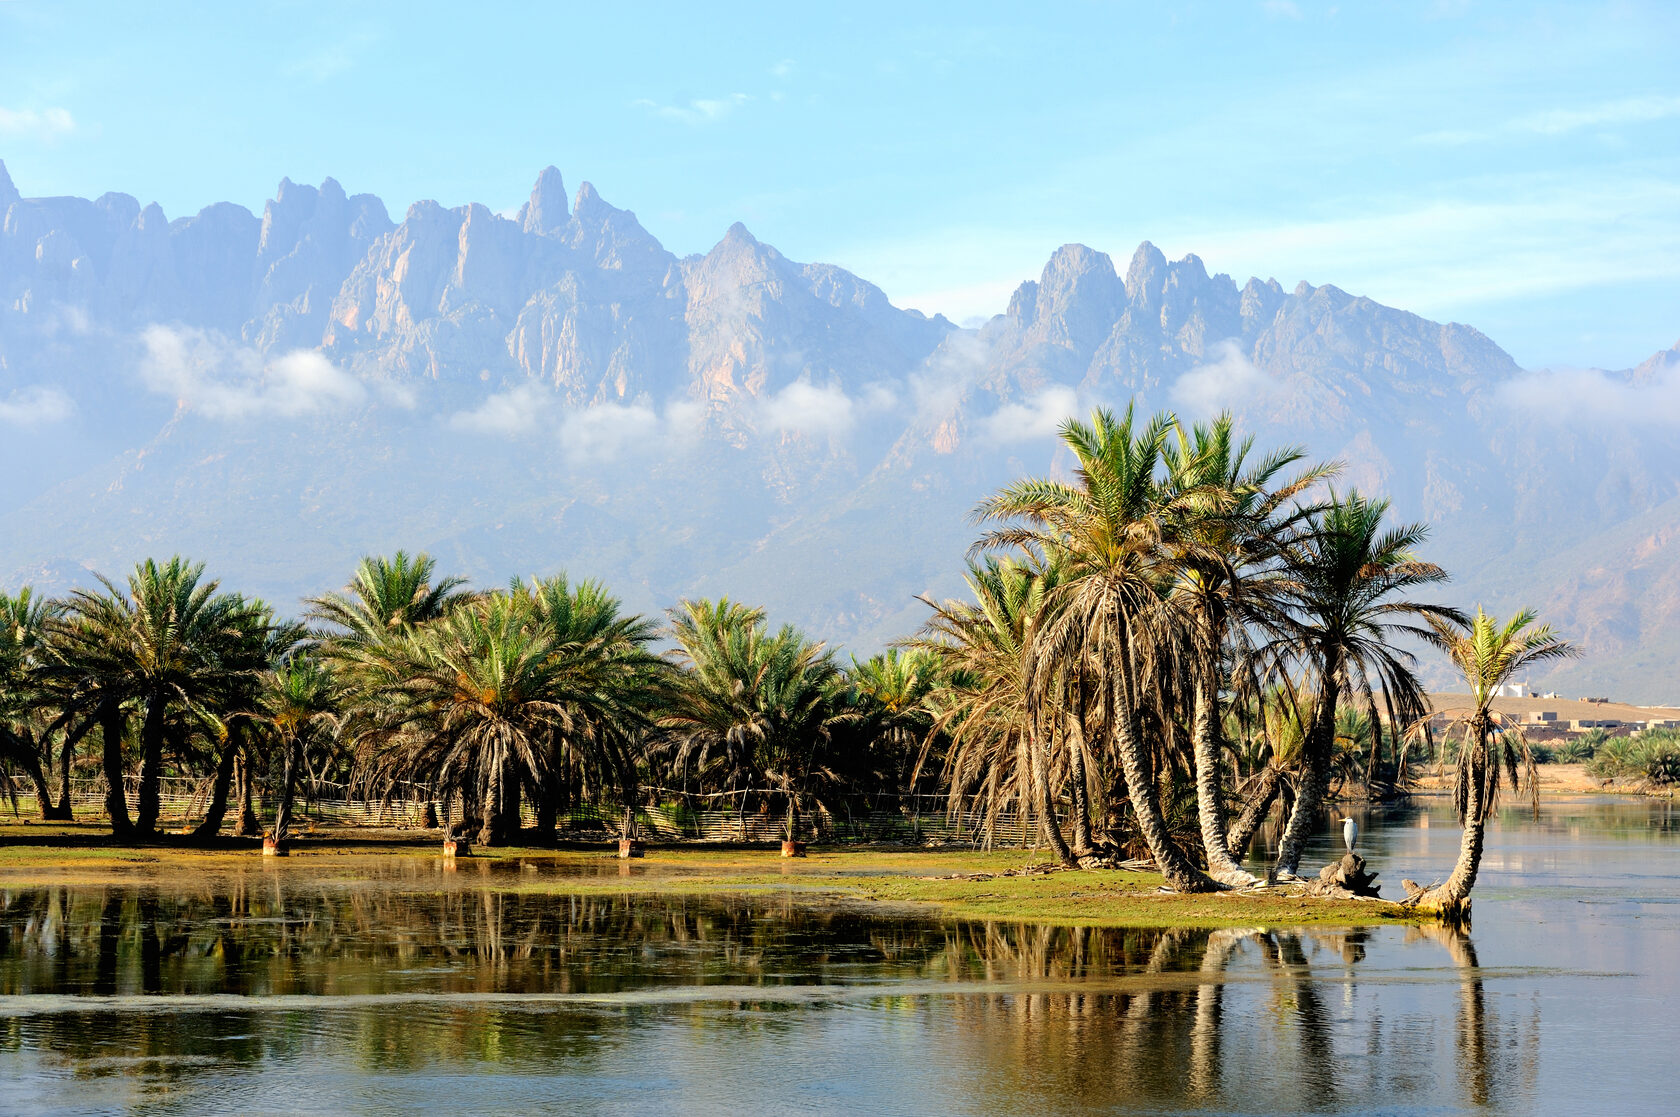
(1162, 646)
(1178, 604)
(546, 694)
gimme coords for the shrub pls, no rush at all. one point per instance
(1577, 750)
(1613, 758)
(1653, 755)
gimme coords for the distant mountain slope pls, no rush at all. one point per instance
(279, 394)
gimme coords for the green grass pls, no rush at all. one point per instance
(959, 883)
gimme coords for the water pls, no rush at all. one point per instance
(283, 990)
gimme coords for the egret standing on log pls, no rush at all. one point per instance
(1350, 833)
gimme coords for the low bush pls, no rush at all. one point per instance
(1653, 755)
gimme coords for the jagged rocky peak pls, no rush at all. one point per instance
(613, 237)
(1144, 275)
(1076, 280)
(8, 192)
(121, 210)
(546, 212)
(1655, 365)
(738, 234)
(1260, 301)
(739, 250)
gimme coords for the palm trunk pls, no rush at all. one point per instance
(1260, 801)
(217, 811)
(1373, 762)
(1046, 806)
(30, 761)
(116, 802)
(1303, 820)
(248, 823)
(547, 812)
(151, 766)
(67, 761)
(512, 796)
(1080, 795)
(288, 789)
(492, 806)
(1180, 874)
(1452, 899)
(1210, 784)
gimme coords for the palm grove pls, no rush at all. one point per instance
(1157, 653)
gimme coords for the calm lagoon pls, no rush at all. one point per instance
(274, 989)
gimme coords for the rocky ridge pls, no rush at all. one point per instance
(829, 419)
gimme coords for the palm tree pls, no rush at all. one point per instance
(262, 641)
(298, 705)
(1345, 577)
(468, 701)
(387, 600)
(894, 691)
(25, 734)
(1114, 530)
(996, 753)
(1488, 654)
(387, 597)
(169, 646)
(598, 748)
(758, 709)
(1226, 552)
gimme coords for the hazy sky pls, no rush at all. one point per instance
(1515, 166)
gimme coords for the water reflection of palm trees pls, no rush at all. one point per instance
(1244, 1018)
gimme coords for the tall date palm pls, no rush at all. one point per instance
(1114, 528)
(1488, 654)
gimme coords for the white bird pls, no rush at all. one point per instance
(1350, 833)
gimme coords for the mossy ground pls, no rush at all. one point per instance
(958, 882)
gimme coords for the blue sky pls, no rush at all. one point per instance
(1515, 166)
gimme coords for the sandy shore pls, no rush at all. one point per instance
(1558, 779)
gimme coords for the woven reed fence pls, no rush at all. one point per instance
(907, 818)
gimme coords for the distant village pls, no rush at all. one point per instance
(1550, 716)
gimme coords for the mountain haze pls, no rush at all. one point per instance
(277, 395)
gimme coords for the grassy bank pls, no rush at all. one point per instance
(965, 883)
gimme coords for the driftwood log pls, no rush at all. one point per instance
(1346, 879)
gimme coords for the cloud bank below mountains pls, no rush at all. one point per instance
(1228, 382)
(219, 379)
(1568, 396)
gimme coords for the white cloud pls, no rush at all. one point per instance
(703, 110)
(1557, 122)
(1229, 380)
(223, 380)
(948, 374)
(35, 406)
(1281, 9)
(517, 411)
(878, 396)
(1575, 396)
(804, 408)
(606, 430)
(1039, 416)
(598, 432)
(41, 123)
(782, 69)
(1630, 110)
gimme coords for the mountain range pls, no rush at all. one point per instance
(519, 393)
